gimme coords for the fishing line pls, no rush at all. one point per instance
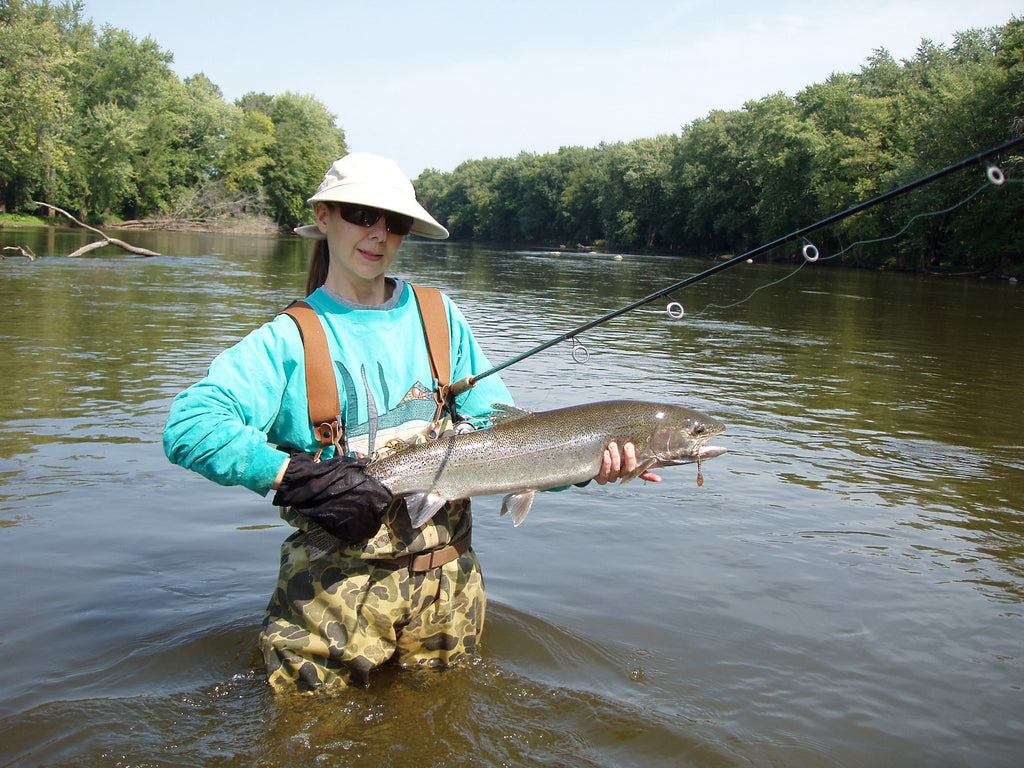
(995, 177)
(811, 254)
(926, 214)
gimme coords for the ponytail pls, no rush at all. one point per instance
(318, 264)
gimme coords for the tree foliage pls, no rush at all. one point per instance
(98, 123)
(36, 51)
(735, 180)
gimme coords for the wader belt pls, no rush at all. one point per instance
(435, 558)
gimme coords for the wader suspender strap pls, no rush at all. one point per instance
(435, 328)
(322, 384)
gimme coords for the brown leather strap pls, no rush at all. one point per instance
(435, 327)
(435, 558)
(321, 383)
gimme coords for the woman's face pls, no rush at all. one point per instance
(359, 255)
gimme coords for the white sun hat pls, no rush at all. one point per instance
(377, 182)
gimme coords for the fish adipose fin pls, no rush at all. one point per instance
(518, 505)
(423, 506)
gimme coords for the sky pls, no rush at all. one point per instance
(432, 83)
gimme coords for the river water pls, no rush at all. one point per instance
(845, 589)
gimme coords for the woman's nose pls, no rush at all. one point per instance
(379, 229)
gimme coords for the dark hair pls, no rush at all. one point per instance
(318, 264)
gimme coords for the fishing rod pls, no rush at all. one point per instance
(995, 175)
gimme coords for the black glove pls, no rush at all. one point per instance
(336, 494)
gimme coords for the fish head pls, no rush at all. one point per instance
(680, 436)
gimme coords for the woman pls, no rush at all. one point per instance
(352, 592)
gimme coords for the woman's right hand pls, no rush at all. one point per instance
(336, 494)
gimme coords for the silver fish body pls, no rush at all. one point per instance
(527, 452)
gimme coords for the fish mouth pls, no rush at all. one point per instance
(697, 454)
(710, 451)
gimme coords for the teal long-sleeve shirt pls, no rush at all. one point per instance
(235, 425)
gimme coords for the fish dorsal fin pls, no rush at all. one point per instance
(503, 412)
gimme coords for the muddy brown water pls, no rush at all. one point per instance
(844, 590)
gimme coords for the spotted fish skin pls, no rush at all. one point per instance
(527, 452)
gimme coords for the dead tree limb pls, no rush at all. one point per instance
(24, 250)
(107, 240)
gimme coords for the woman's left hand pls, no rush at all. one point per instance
(617, 464)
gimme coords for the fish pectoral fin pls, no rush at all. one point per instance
(518, 505)
(638, 471)
(423, 506)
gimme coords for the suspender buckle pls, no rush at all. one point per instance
(330, 433)
(442, 399)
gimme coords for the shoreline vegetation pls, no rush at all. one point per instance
(265, 229)
(97, 123)
(254, 226)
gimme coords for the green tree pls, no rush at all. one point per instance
(306, 142)
(180, 144)
(247, 154)
(206, 121)
(649, 185)
(431, 187)
(118, 69)
(578, 209)
(715, 194)
(784, 152)
(463, 199)
(540, 192)
(108, 144)
(129, 168)
(37, 45)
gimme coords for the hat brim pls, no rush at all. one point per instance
(311, 231)
(376, 196)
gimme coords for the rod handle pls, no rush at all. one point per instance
(460, 386)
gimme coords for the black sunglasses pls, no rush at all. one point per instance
(365, 216)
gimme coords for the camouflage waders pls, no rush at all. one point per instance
(411, 596)
(340, 611)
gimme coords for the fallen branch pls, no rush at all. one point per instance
(107, 240)
(24, 250)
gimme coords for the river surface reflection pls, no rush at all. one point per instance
(846, 589)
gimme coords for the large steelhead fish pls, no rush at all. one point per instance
(524, 452)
